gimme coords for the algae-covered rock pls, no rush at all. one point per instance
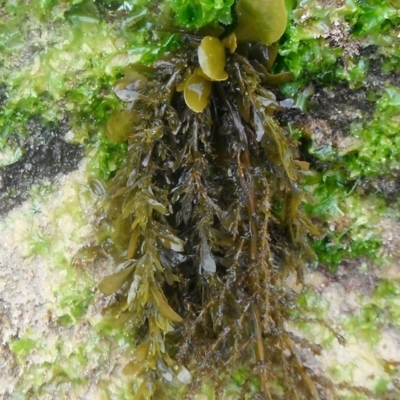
(58, 69)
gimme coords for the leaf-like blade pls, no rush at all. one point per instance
(110, 284)
(133, 243)
(165, 308)
(156, 205)
(132, 368)
(142, 350)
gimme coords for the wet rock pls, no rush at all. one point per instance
(46, 154)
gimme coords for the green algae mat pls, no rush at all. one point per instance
(199, 199)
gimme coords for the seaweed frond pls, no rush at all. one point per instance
(205, 222)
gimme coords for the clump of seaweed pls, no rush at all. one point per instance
(205, 220)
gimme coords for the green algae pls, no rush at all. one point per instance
(75, 54)
(334, 46)
(351, 220)
(196, 14)
(73, 299)
(378, 311)
(23, 346)
(311, 48)
(336, 190)
(379, 149)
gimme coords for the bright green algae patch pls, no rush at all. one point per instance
(353, 45)
(379, 140)
(61, 63)
(196, 14)
(351, 221)
(328, 46)
(60, 76)
(314, 40)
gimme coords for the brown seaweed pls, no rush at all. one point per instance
(205, 221)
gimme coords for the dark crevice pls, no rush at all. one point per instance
(46, 154)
